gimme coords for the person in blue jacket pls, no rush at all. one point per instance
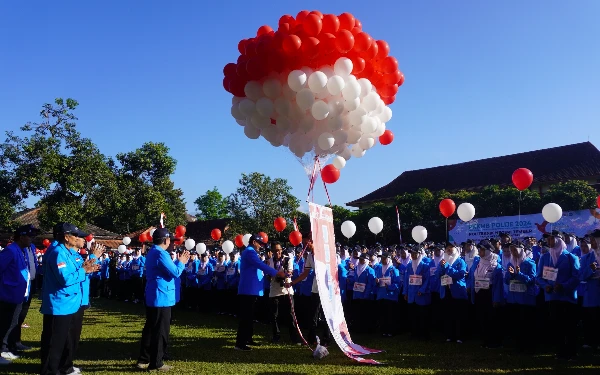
(487, 293)
(387, 285)
(452, 272)
(572, 246)
(161, 273)
(558, 275)
(15, 286)
(136, 273)
(62, 297)
(252, 271)
(104, 275)
(191, 281)
(204, 277)
(232, 279)
(434, 284)
(221, 284)
(362, 296)
(590, 278)
(417, 293)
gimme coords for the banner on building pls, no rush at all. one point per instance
(326, 273)
(578, 222)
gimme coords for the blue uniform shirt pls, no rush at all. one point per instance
(161, 273)
(252, 271)
(14, 274)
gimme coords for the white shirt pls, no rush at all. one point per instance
(310, 263)
(276, 288)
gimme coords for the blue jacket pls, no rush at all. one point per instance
(191, 269)
(526, 276)
(85, 285)
(14, 274)
(232, 276)
(458, 270)
(342, 274)
(391, 291)
(252, 271)
(136, 267)
(220, 274)
(568, 276)
(123, 270)
(350, 275)
(367, 277)
(495, 277)
(412, 291)
(305, 288)
(61, 292)
(298, 264)
(161, 273)
(590, 280)
(204, 276)
(105, 269)
(434, 279)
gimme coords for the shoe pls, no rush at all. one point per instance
(448, 340)
(4, 361)
(20, 347)
(164, 368)
(75, 371)
(243, 348)
(459, 341)
(126, 300)
(252, 343)
(166, 357)
(24, 325)
(142, 366)
(9, 355)
(276, 339)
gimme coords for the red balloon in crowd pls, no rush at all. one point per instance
(280, 224)
(82, 252)
(386, 138)
(180, 231)
(89, 237)
(264, 236)
(330, 174)
(239, 240)
(447, 207)
(142, 237)
(295, 238)
(598, 201)
(215, 234)
(46, 242)
(522, 178)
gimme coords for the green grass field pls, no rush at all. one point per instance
(203, 344)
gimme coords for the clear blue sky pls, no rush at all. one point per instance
(483, 79)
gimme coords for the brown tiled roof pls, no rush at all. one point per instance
(200, 230)
(551, 165)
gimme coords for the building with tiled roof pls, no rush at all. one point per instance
(580, 161)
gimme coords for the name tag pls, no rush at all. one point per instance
(550, 273)
(135, 268)
(202, 271)
(432, 271)
(415, 280)
(446, 280)
(385, 281)
(482, 283)
(359, 287)
(220, 268)
(230, 271)
(517, 286)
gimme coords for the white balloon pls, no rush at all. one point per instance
(326, 141)
(466, 211)
(419, 234)
(272, 88)
(368, 125)
(241, 122)
(352, 90)
(357, 116)
(327, 70)
(200, 248)
(122, 249)
(336, 107)
(353, 136)
(380, 130)
(283, 124)
(317, 81)
(357, 152)
(246, 239)
(247, 107)
(305, 99)
(189, 244)
(375, 225)
(335, 85)
(227, 247)
(296, 80)
(259, 121)
(319, 110)
(152, 232)
(366, 143)
(282, 106)
(369, 102)
(348, 229)
(270, 133)
(365, 87)
(323, 94)
(339, 162)
(340, 137)
(253, 90)
(236, 100)
(351, 105)
(552, 213)
(335, 123)
(386, 114)
(126, 241)
(236, 113)
(251, 132)
(307, 124)
(264, 106)
(343, 66)
(345, 153)
(288, 93)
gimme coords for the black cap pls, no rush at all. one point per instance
(204, 254)
(27, 230)
(160, 233)
(504, 234)
(363, 256)
(258, 238)
(595, 233)
(556, 233)
(385, 254)
(68, 228)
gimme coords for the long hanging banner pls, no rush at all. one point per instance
(326, 273)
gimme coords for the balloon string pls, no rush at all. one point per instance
(312, 181)
(324, 184)
(296, 322)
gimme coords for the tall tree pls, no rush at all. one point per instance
(211, 205)
(572, 195)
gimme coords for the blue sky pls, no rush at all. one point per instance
(483, 79)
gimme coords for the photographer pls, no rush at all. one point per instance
(281, 303)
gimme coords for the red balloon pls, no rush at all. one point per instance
(326, 43)
(383, 49)
(264, 236)
(386, 138)
(255, 67)
(291, 44)
(286, 18)
(312, 25)
(236, 87)
(82, 252)
(401, 80)
(522, 178)
(215, 234)
(346, 21)
(319, 14)
(358, 65)
(280, 224)
(179, 231)
(295, 238)
(389, 90)
(331, 24)
(392, 78)
(239, 240)
(46, 242)
(371, 52)
(447, 207)
(362, 42)
(265, 29)
(89, 237)
(387, 100)
(242, 46)
(310, 47)
(344, 41)
(389, 65)
(330, 174)
(229, 70)
(357, 24)
(301, 16)
(598, 201)
(142, 238)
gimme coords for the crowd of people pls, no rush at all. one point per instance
(469, 288)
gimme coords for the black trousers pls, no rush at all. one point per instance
(55, 341)
(9, 318)
(94, 283)
(72, 344)
(15, 335)
(420, 322)
(316, 313)
(302, 307)
(386, 311)
(155, 336)
(591, 329)
(246, 319)
(565, 329)
(231, 301)
(137, 288)
(436, 310)
(281, 310)
(457, 310)
(486, 313)
(363, 310)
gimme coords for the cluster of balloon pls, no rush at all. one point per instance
(318, 85)
(419, 234)
(447, 207)
(552, 213)
(215, 234)
(522, 178)
(200, 248)
(46, 242)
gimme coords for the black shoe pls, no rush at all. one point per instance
(243, 348)
(252, 343)
(166, 357)
(276, 339)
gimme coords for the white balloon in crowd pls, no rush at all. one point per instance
(126, 241)
(552, 213)
(246, 239)
(466, 212)
(201, 248)
(122, 249)
(227, 247)
(189, 244)
(348, 229)
(375, 225)
(419, 234)
(152, 232)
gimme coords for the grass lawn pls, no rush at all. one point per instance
(203, 344)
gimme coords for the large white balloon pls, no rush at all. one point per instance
(335, 85)
(265, 107)
(343, 66)
(189, 244)
(357, 152)
(272, 88)
(122, 249)
(419, 234)
(369, 125)
(251, 131)
(326, 141)
(227, 247)
(552, 212)
(247, 107)
(126, 241)
(317, 82)
(297, 80)
(305, 99)
(246, 239)
(253, 90)
(319, 110)
(352, 90)
(375, 225)
(348, 228)
(339, 162)
(200, 248)
(366, 143)
(466, 211)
